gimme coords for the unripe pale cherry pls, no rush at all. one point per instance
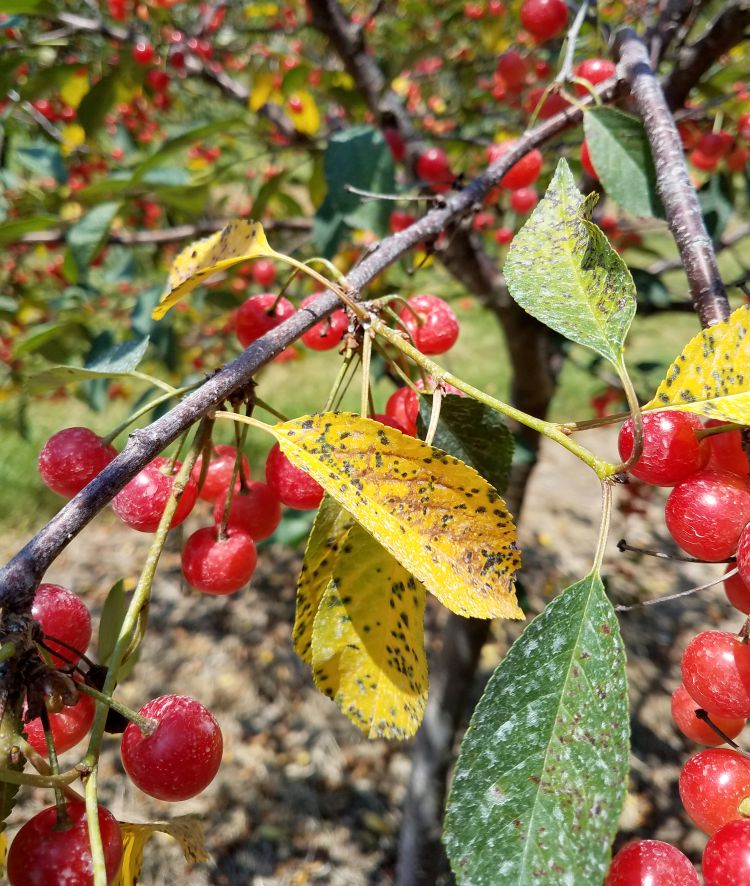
(683, 714)
(671, 451)
(64, 616)
(141, 503)
(712, 784)
(219, 471)
(716, 673)
(328, 333)
(259, 315)
(726, 858)
(431, 323)
(706, 513)
(41, 851)
(292, 486)
(651, 863)
(71, 458)
(216, 565)
(181, 756)
(255, 509)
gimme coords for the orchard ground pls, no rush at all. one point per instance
(302, 796)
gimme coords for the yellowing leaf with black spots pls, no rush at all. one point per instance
(332, 523)
(186, 829)
(239, 241)
(368, 640)
(712, 375)
(443, 522)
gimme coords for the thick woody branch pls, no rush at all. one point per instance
(673, 182)
(694, 60)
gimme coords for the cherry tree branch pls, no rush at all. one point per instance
(672, 180)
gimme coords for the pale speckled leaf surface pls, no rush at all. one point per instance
(238, 241)
(441, 521)
(332, 523)
(712, 374)
(562, 270)
(368, 640)
(541, 775)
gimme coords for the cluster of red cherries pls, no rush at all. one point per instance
(708, 515)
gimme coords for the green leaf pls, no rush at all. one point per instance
(39, 335)
(117, 362)
(183, 140)
(716, 198)
(562, 270)
(11, 231)
(97, 102)
(652, 293)
(541, 776)
(359, 157)
(621, 155)
(110, 622)
(474, 433)
(42, 160)
(86, 236)
(25, 7)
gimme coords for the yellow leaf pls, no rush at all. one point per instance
(712, 375)
(253, 9)
(303, 112)
(186, 829)
(442, 521)
(74, 88)
(3, 853)
(73, 136)
(368, 640)
(332, 523)
(239, 241)
(262, 88)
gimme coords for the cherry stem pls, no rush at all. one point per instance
(437, 399)
(48, 638)
(240, 435)
(623, 546)
(42, 766)
(704, 715)
(590, 423)
(98, 863)
(636, 417)
(603, 525)
(718, 429)
(366, 357)
(668, 597)
(145, 724)
(271, 410)
(338, 383)
(63, 821)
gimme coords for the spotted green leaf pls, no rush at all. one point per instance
(443, 522)
(368, 640)
(332, 523)
(712, 374)
(562, 270)
(541, 776)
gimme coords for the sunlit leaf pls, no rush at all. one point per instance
(239, 241)
(541, 776)
(73, 136)
(368, 640)
(186, 829)
(332, 523)
(303, 112)
(261, 90)
(712, 374)
(562, 270)
(74, 87)
(442, 521)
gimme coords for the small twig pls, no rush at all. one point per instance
(622, 608)
(571, 39)
(376, 195)
(624, 547)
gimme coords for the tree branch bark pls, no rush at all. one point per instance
(672, 180)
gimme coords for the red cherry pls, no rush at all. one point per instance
(292, 486)
(713, 783)
(503, 236)
(651, 863)
(726, 452)
(219, 473)
(595, 70)
(743, 554)
(181, 756)
(553, 103)
(431, 323)
(716, 673)
(521, 174)
(177, 60)
(706, 513)
(683, 714)
(726, 858)
(395, 142)
(42, 854)
(737, 159)
(711, 144)
(71, 458)
(588, 166)
(704, 162)
(544, 19)
(743, 125)
(141, 503)
(263, 271)
(328, 333)
(255, 510)
(671, 451)
(157, 80)
(390, 422)
(218, 565)
(403, 406)
(524, 199)
(513, 68)
(69, 726)
(259, 315)
(64, 616)
(400, 220)
(432, 166)
(737, 590)
(143, 52)
(473, 11)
